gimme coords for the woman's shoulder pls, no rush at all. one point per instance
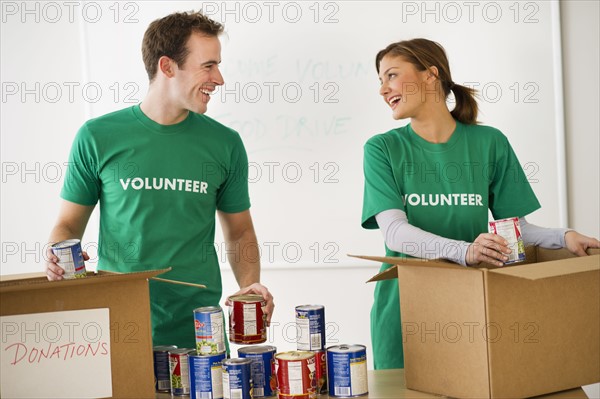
(484, 132)
(391, 136)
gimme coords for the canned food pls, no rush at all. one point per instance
(206, 376)
(264, 382)
(237, 380)
(321, 371)
(347, 370)
(162, 376)
(247, 320)
(180, 371)
(510, 230)
(70, 258)
(310, 321)
(296, 375)
(210, 330)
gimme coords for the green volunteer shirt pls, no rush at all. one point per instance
(445, 189)
(159, 187)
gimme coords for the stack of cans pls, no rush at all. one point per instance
(310, 327)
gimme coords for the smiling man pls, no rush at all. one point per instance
(160, 171)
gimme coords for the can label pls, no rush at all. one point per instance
(510, 230)
(321, 371)
(264, 382)
(247, 320)
(296, 375)
(180, 371)
(237, 380)
(162, 377)
(206, 376)
(210, 330)
(310, 321)
(347, 370)
(70, 258)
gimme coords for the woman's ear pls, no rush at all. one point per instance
(432, 74)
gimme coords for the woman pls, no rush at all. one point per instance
(429, 185)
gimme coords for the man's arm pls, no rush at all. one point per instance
(71, 223)
(244, 255)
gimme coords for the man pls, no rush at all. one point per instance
(160, 170)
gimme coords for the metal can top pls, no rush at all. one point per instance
(310, 307)
(295, 355)
(346, 348)
(236, 361)
(257, 349)
(208, 309)
(182, 351)
(164, 348)
(66, 243)
(249, 298)
(208, 355)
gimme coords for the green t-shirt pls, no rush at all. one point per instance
(159, 187)
(445, 189)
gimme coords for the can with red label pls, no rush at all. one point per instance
(296, 375)
(510, 230)
(70, 258)
(321, 371)
(247, 320)
(264, 381)
(179, 368)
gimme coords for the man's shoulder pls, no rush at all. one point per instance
(119, 117)
(216, 127)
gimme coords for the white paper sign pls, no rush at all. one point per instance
(56, 355)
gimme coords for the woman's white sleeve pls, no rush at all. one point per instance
(542, 236)
(401, 236)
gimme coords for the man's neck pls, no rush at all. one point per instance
(157, 107)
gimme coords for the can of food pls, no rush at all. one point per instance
(296, 375)
(264, 382)
(510, 230)
(310, 323)
(162, 376)
(206, 376)
(347, 370)
(179, 369)
(247, 320)
(70, 258)
(237, 380)
(210, 330)
(321, 371)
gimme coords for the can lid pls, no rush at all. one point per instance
(344, 348)
(246, 298)
(208, 356)
(295, 355)
(236, 360)
(257, 349)
(208, 309)
(66, 243)
(164, 348)
(310, 307)
(182, 351)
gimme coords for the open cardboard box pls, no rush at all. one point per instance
(127, 298)
(511, 332)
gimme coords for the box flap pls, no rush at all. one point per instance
(537, 271)
(31, 281)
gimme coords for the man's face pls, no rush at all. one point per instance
(198, 77)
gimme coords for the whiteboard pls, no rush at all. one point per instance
(302, 91)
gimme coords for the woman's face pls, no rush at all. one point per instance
(403, 87)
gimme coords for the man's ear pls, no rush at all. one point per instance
(166, 66)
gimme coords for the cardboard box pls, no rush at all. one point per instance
(127, 298)
(510, 332)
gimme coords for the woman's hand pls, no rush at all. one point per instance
(489, 248)
(578, 243)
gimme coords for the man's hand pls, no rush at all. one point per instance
(257, 288)
(489, 248)
(53, 270)
(578, 243)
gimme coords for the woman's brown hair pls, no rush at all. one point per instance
(424, 54)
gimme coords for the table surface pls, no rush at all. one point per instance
(389, 384)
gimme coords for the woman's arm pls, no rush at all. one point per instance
(555, 238)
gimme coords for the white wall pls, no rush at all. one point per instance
(581, 56)
(41, 52)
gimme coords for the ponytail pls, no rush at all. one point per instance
(466, 108)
